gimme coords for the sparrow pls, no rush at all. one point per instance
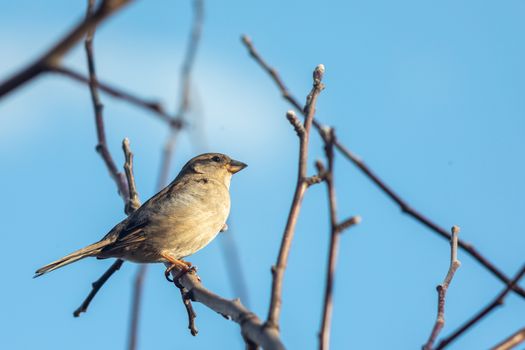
(176, 222)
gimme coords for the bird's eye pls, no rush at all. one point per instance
(216, 159)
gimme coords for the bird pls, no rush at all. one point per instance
(178, 221)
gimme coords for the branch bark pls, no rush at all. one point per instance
(512, 341)
(374, 178)
(498, 301)
(53, 56)
(300, 188)
(442, 289)
(336, 229)
(125, 186)
(251, 326)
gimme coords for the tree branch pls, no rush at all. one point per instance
(335, 231)
(125, 186)
(53, 56)
(372, 176)
(442, 289)
(300, 188)
(512, 341)
(154, 107)
(498, 301)
(251, 326)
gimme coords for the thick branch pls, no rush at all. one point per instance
(335, 231)
(442, 289)
(53, 56)
(251, 326)
(512, 341)
(498, 301)
(372, 176)
(300, 188)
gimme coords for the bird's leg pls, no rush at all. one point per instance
(183, 266)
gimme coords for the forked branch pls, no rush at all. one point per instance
(300, 188)
(442, 289)
(272, 72)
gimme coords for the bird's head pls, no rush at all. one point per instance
(214, 165)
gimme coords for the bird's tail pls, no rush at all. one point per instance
(90, 250)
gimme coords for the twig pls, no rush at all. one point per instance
(102, 147)
(95, 287)
(300, 188)
(154, 107)
(442, 289)
(498, 301)
(335, 231)
(124, 188)
(189, 309)
(512, 341)
(251, 326)
(372, 176)
(136, 301)
(167, 155)
(53, 56)
(131, 204)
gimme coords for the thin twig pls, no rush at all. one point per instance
(167, 155)
(335, 232)
(135, 309)
(372, 176)
(154, 107)
(498, 301)
(512, 341)
(442, 289)
(102, 149)
(95, 287)
(53, 56)
(132, 203)
(189, 309)
(300, 188)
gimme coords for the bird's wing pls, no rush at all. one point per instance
(131, 233)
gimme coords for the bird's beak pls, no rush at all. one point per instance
(235, 166)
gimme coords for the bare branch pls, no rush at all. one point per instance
(121, 182)
(96, 287)
(251, 326)
(136, 300)
(354, 220)
(372, 176)
(335, 230)
(133, 202)
(54, 55)
(102, 147)
(442, 289)
(512, 341)
(151, 106)
(189, 309)
(300, 188)
(498, 301)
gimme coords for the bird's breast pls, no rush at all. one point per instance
(192, 217)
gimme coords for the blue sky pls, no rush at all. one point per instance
(429, 94)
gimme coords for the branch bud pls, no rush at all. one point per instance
(296, 123)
